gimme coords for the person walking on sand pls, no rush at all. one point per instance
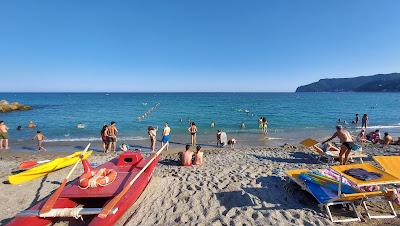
(193, 130)
(104, 141)
(166, 135)
(3, 135)
(39, 139)
(112, 133)
(153, 137)
(364, 121)
(347, 143)
(356, 120)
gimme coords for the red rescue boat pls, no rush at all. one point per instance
(83, 206)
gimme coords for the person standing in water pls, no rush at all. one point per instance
(39, 138)
(193, 131)
(347, 143)
(112, 133)
(265, 125)
(153, 137)
(364, 121)
(3, 135)
(356, 120)
(166, 135)
(212, 124)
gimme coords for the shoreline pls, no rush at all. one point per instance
(246, 185)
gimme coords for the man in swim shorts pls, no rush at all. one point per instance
(347, 143)
(111, 133)
(3, 135)
(165, 135)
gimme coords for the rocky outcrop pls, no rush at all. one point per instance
(7, 107)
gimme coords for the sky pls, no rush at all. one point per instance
(193, 46)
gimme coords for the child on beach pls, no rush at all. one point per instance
(186, 156)
(198, 157)
(124, 147)
(232, 143)
(39, 138)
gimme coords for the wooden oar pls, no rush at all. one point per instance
(31, 163)
(53, 198)
(110, 205)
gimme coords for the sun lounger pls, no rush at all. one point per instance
(385, 180)
(329, 156)
(391, 164)
(328, 197)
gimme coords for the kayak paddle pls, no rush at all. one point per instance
(53, 198)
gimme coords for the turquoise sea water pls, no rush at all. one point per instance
(57, 114)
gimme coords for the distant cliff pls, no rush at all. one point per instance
(373, 83)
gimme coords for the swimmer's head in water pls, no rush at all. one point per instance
(187, 147)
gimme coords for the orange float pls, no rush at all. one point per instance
(95, 178)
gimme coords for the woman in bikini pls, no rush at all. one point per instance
(193, 130)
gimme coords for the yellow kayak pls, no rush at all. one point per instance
(46, 168)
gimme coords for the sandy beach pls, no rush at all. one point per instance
(245, 186)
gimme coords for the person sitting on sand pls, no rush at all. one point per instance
(3, 135)
(198, 157)
(387, 139)
(124, 147)
(39, 138)
(376, 137)
(232, 143)
(186, 156)
(31, 125)
(347, 143)
(362, 137)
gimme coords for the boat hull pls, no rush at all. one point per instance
(72, 197)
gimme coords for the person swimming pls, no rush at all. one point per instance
(80, 125)
(31, 125)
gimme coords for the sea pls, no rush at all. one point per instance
(291, 116)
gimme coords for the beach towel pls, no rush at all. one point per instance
(362, 174)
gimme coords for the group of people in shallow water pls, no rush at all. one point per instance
(38, 138)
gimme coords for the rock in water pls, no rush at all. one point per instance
(5, 106)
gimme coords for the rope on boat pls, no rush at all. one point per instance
(65, 212)
(93, 180)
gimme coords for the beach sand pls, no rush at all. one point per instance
(245, 186)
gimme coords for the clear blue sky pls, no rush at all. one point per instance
(198, 45)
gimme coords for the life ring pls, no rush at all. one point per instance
(95, 178)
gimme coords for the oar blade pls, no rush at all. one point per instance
(53, 198)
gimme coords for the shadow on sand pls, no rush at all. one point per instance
(276, 192)
(297, 157)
